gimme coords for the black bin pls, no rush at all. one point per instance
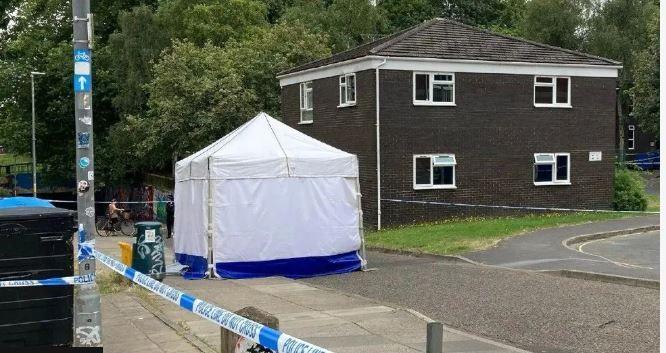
(36, 243)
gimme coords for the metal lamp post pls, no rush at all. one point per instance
(34, 149)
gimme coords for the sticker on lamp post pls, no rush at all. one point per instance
(84, 162)
(82, 72)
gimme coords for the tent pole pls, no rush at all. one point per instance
(211, 265)
(364, 259)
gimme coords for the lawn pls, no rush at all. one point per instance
(462, 235)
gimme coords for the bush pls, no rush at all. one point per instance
(4, 193)
(630, 192)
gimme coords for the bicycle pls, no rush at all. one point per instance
(124, 225)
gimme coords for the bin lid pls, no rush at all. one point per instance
(148, 224)
(21, 213)
(20, 201)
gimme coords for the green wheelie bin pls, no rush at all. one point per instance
(148, 250)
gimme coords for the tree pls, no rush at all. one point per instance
(402, 14)
(406, 13)
(135, 48)
(555, 22)
(645, 93)
(258, 59)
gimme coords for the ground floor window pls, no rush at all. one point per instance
(631, 137)
(434, 171)
(551, 168)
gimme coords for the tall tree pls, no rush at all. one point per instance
(645, 93)
(555, 22)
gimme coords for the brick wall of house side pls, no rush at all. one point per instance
(494, 131)
(351, 129)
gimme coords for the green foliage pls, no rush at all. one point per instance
(554, 22)
(630, 192)
(346, 22)
(645, 93)
(406, 13)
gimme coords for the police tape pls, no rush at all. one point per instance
(531, 208)
(269, 338)
(57, 281)
(108, 202)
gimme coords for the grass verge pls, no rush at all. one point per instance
(110, 282)
(653, 203)
(457, 236)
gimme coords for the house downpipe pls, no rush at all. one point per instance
(379, 178)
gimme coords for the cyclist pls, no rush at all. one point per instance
(114, 212)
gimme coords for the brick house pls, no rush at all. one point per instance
(446, 112)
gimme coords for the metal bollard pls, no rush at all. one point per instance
(434, 337)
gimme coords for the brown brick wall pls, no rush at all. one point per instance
(351, 129)
(494, 131)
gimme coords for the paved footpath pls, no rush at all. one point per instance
(329, 318)
(544, 250)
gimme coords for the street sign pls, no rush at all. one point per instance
(82, 83)
(82, 74)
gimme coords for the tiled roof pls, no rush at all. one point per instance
(447, 39)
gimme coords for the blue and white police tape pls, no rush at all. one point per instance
(269, 338)
(58, 281)
(531, 208)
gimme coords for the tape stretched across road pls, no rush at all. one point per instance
(108, 202)
(58, 281)
(270, 338)
(454, 204)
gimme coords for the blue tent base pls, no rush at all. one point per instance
(197, 265)
(301, 267)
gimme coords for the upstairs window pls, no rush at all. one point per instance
(551, 168)
(434, 88)
(306, 103)
(551, 91)
(435, 171)
(631, 137)
(347, 90)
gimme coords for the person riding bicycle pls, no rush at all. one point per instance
(114, 212)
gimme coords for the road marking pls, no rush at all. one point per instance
(617, 263)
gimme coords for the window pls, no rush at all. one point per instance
(551, 168)
(550, 91)
(631, 137)
(347, 90)
(306, 103)
(434, 88)
(435, 171)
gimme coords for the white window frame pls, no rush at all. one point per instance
(554, 180)
(303, 90)
(553, 86)
(431, 185)
(431, 81)
(347, 102)
(632, 131)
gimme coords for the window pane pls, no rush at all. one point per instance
(308, 100)
(306, 115)
(543, 172)
(443, 77)
(422, 165)
(543, 95)
(343, 94)
(562, 90)
(442, 175)
(544, 79)
(544, 158)
(444, 160)
(308, 85)
(351, 89)
(422, 87)
(442, 93)
(562, 167)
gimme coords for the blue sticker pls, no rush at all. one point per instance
(84, 162)
(81, 55)
(83, 140)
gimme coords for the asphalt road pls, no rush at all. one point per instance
(530, 310)
(639, 250)
(544, 250)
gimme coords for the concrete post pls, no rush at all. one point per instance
(434, 337)
(232, 343)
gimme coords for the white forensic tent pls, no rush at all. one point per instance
(268, 200)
